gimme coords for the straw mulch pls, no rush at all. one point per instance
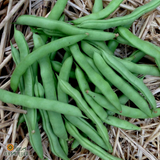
(128, 145)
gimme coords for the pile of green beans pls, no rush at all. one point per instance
(74, 95)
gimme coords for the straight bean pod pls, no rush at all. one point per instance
(39, 103)
(63, 27)
(49, 83)
(39, 53)
(120, 21)
(95, 78)
(121, 84)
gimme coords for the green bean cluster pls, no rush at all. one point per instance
(74, 95)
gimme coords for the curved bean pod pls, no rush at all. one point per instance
(120, 123)
(39, 53)
(140, 68)
(57, 67)
(121, 84)
(144, 46)
(83, 84)
(137, 83)
(88, 48)
(120, 21)
(16, 59)
(95, 78)
(100, 14)
(135, 56)
(98, 6)
(86, 128)
(57, 9)
(64, 27)
(75, 144)
(102, 130)
(87, 144)
(54, 144)
(31, 116)
(126, 111)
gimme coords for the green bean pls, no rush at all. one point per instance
(31, 115)
(66, 55)
(112, 45)
(126, 74)
(98, 6)
(144, 46)
(20, 119)
(21, 43)
(140, 68)
(87, 144)
(39, 53)
(39, 103)
(64, 75)
(87, 129)
(16, 59)
(62, 18)
(35, 140)
(123, 99)
(110, 113)
(135, 56)
(120, 123)
(88, 48)
(54, 143)
(64, 27)
(121, 84)
(57, 67)
(79, 122)
(75, 144)
(101, 46)
(121, 40)
(83, 84)
(90, 61)
(126, 111)
(57, 9)
(95, 78)
(64, 145)
(100, 14)
(53, 54)
(120, 21)
(49, 83)
(55, 146)
(102, 130)
(49, 32)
